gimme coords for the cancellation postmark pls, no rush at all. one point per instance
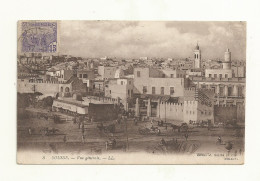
(39, 36)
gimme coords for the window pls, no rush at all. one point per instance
(85, 75)
(209, 75)
(122, 83)
(229, 91)
(153, 90)
(226, 75)
(128, 92)
(129, 82)
(239, 92)
(214, 89)
(171, 90)
(67, 89)
(215, 75)
(144, 89)
(221, 91)
(80, 75)
(177, 75)
(138, 74)
(162, 90)
(220, 75)
(172, 76)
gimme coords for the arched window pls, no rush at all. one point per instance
(67, 89)
(61, 89)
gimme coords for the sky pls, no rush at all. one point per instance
(162, 39)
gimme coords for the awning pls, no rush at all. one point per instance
(163, 98)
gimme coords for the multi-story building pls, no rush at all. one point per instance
(107, 72)
(195, 106)
(87, 77)
(225, 72)
(73, 85)
(121, 88)
(159, 82)
(227, 90)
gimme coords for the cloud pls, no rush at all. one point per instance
(131, 39)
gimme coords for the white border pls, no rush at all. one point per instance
(222, 10)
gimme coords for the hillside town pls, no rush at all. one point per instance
(112, 103)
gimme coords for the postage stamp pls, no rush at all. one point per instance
(39, 36)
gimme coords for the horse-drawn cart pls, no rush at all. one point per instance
(152, 130)
(107, 129)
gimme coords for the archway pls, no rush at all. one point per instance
(67, 89)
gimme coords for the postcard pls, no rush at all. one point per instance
(131, 92)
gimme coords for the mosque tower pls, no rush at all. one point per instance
(226, 64)
(197, 56)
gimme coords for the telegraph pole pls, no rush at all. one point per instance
(34, 88)
(127, 144)
(165, 111)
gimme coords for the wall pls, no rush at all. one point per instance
(219, 72)
(239, 71)
(189, 94)
(101, 70)
(241, 112)
(205, 112)
(170, 111)
(224, 113)
(77, 85)
(107, 72)
(190, 111)
(231, 112)
(174, 73)
(119, 91)
(44, 88)
(99, 100)
(177, 83)
(70, 107)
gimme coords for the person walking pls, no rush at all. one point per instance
(83, 138)
(79, 124)
(30, 131)
(82, 129)
(65, 139)
(186, 136)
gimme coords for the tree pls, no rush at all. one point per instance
(47, 101)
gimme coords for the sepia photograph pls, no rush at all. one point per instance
(131, 92)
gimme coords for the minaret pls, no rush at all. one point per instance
(197, 56)
(227, 60)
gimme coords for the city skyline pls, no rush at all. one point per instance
(169, 39)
